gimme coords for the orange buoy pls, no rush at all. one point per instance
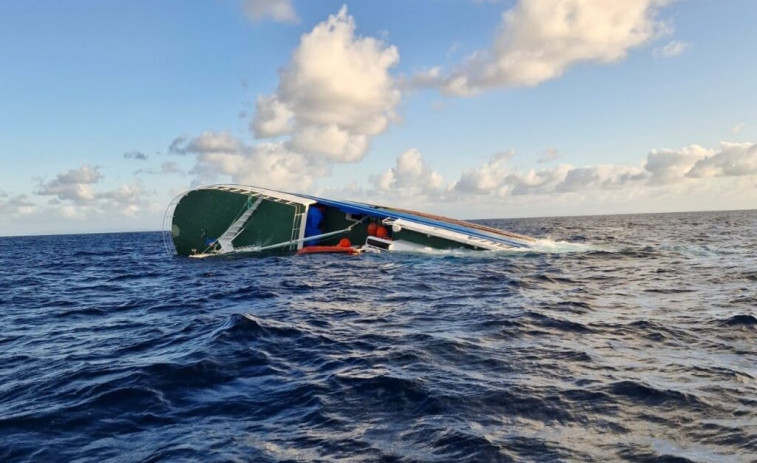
(372, 229)
(344, 243)
(382, 232)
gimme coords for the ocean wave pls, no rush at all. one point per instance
(619, 338)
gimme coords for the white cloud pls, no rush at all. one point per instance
(413, 184)
(410, 176)
(332, 141)
(335, 93)
(540, 39)
(16, 205)
(84, 174)
(277, 10)
(487, 178)
(559, 178)
(208, 142)
(671, 49)
(496, 177)
(271, 165)
(126, 200)
(74, 195)
(670, 166)
(272, 118)
(74, 185)
(604, 177)
(102, 215)
(662, 168)
(412, 179)
(733, 160)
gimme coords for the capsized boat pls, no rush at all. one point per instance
(225, 219)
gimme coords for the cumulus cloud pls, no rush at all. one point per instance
(272, 117)
(670, 166)
(539, 40)
(733, 160)
(663, 167)
(77, 194)
(671, 49)
(271, 165)
(208, 142)
(336, 143)
(497, 178)
(411, 175)
(334, 95)
(74, 185)
(604, 177)
(487, 178)
(16, 205)
(277, 10)
(126, 200)
(416, 184)
(541, 181)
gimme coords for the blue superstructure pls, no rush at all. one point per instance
(389, 213)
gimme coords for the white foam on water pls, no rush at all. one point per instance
(544, 245)
(548, 245)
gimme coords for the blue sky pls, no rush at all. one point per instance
(467, 108)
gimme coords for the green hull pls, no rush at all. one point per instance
(223, 219)
(202, 216)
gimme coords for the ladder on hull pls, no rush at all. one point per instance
(236, 228)
(298, 222)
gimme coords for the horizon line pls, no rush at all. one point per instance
(113, 232)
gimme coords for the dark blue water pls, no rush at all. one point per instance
(636, 342)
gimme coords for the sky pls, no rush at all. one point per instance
(466, 108)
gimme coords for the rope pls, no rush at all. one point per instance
(290, 242)
(244, 207)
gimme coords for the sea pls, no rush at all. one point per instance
(616, 338)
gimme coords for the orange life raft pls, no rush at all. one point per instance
(328, 250)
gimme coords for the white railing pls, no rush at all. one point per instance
(167, 228)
